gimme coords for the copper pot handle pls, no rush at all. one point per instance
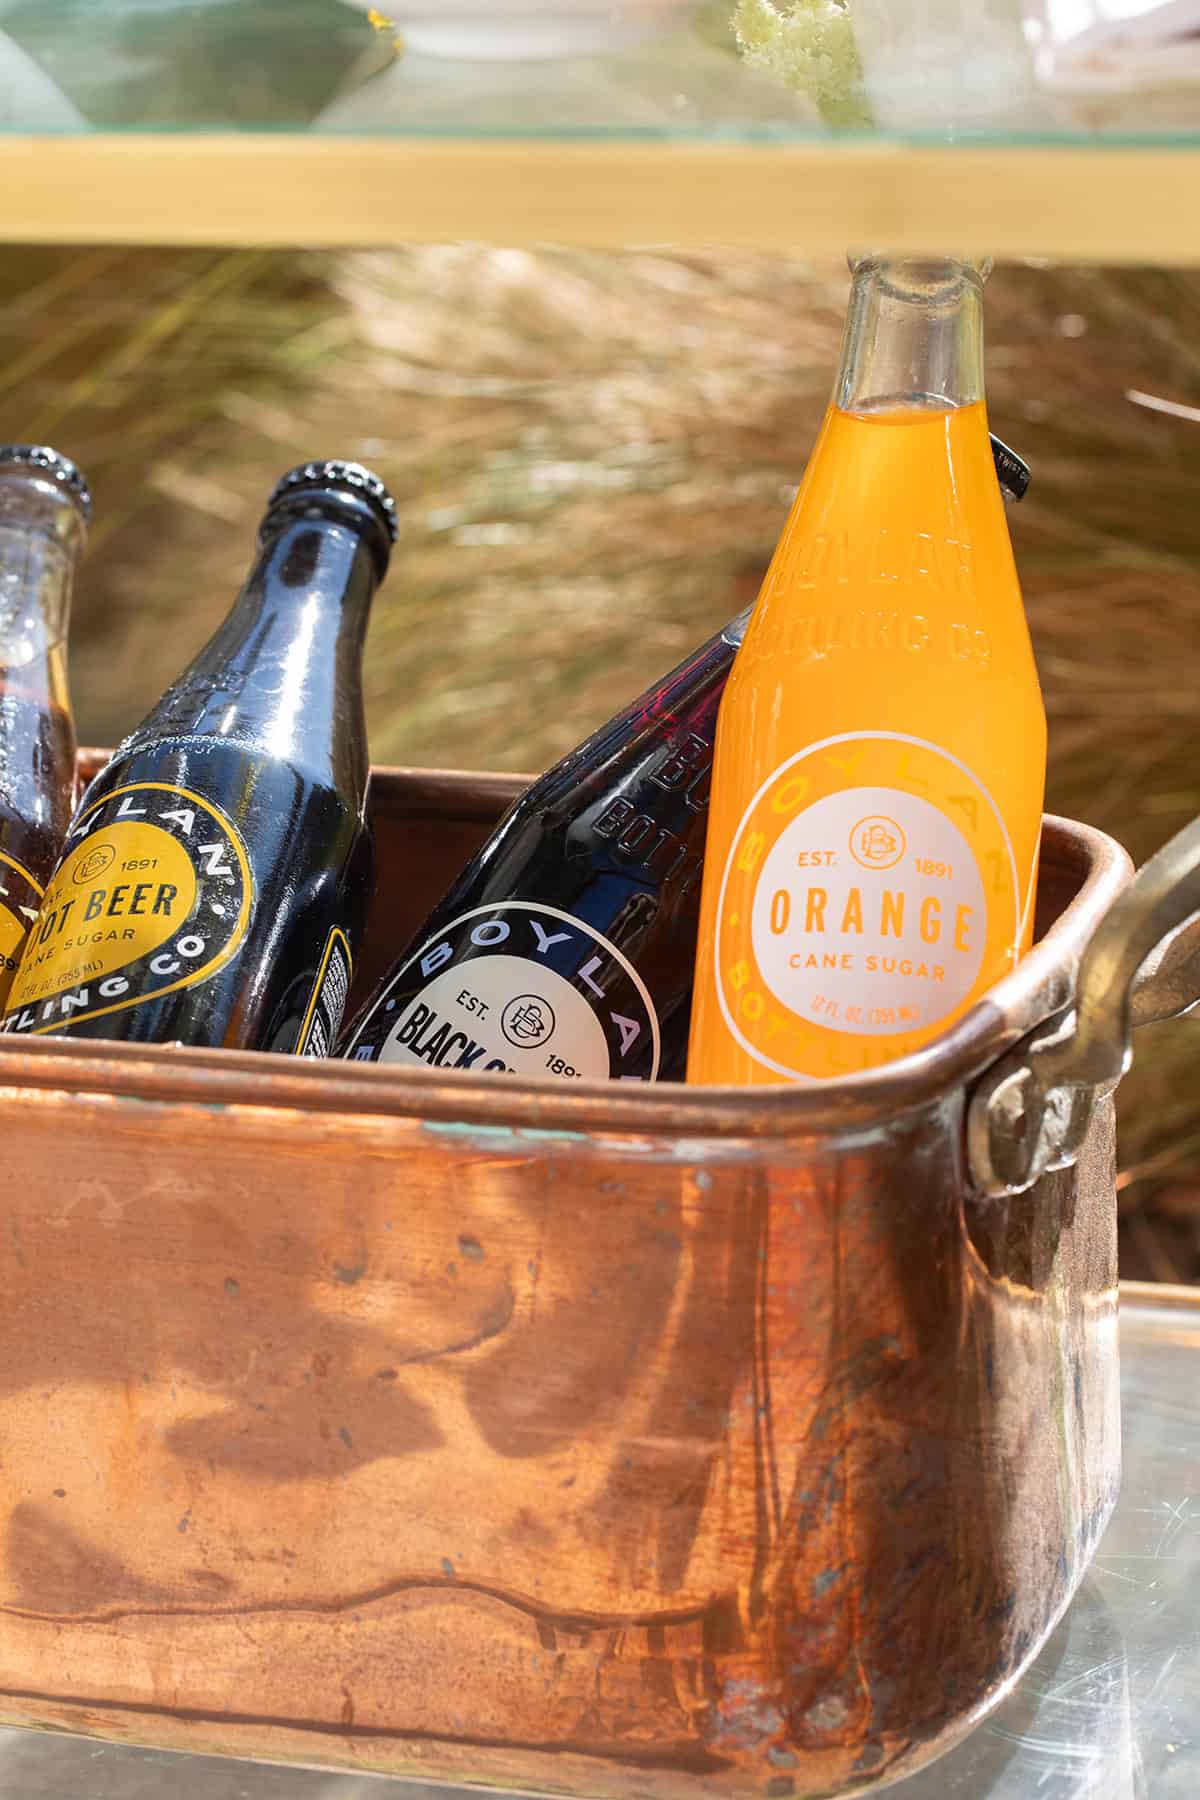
(1031, 1111)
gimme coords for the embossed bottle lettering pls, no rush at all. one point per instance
(878, 631)
(905, 563)
(880, 752)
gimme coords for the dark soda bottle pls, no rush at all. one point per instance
(566, 947)
(44, 510)
(217, 873)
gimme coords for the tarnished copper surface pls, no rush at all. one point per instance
(569, 1439)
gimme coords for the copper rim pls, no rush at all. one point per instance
(667, 1110)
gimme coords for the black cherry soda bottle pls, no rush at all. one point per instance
(566, 948)
(217, 873)
(44, 512)
(880, 755)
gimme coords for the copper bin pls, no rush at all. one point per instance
(544, 1436)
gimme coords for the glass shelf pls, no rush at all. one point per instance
(299, 122)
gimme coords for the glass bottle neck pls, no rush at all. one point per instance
(41, 539)
(283, 673)
(914, 336)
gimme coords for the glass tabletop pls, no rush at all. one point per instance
(1109, 1711)
(928, 71)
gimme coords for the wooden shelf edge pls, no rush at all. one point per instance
(1098, 205)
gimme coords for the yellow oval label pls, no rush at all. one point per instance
(20, 898)
(152, 894)
(869, 898)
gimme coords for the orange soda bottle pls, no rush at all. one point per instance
(880, 758)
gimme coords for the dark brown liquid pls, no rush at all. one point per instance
(37, 790)
(37, 776)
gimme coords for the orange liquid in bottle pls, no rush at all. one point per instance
(880, 761)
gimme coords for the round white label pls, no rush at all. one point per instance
(869, 913)
(516, 987)
(500, 1014)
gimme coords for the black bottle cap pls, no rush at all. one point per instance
(352, 477)
(1012, 471)
(56, 467)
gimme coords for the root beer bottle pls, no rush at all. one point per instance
(44, 509)
(881, 750)
(216, 875)
(565, 948)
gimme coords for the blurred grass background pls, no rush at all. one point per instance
(593, 456)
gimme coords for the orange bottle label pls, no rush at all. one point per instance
(870, 893)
